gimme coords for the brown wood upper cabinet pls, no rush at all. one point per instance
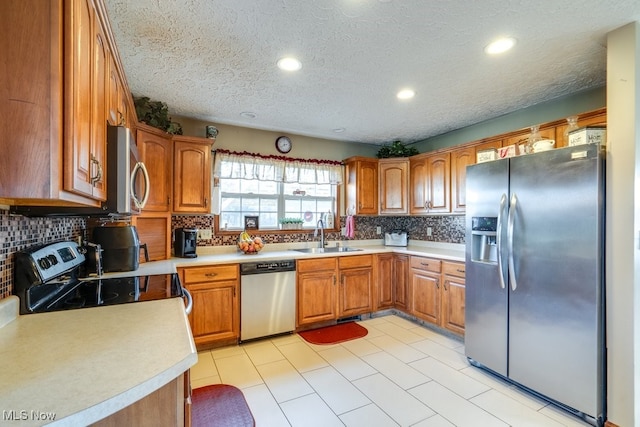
(362, 186)
(394, 186)
(430, 182)
(156, 150)
(191, 174)
(58, 108)
(460, 159)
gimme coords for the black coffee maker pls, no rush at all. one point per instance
(185, 242)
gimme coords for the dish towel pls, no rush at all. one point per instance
(350, 227)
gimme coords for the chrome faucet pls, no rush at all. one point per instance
(320, 226)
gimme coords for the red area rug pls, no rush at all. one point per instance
(335, 334)
(220, 405)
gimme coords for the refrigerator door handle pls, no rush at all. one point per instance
(510, 220)
(503, 203)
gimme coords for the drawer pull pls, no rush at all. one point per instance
(424, 264)
(211, 274)
(460, 270)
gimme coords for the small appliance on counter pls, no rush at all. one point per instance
(396, 238)
(120, 247)
(185, 242)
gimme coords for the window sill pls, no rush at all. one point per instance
(273, 231)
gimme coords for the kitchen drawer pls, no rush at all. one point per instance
(355, 261)
(316, 264)
(427, 264)
(210, 273)
(453, 268)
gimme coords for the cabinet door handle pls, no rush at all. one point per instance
(334, 280)
(168, 200)
(444, 285)
(437, 283)
(98, 175)
(205, 202)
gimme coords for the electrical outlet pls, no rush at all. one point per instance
(378, 230)
(429, 231)
(204, 234)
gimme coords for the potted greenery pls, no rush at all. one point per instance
(291, 223)
(156, 114)
(396, 149)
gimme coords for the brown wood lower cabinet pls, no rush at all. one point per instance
(316, 290)
(215, 319)
(425, 288)
(401, 295)
(438, 292)
(168, 406)
(453, 299)
(356, 285)
(332, 288)
(384, 291)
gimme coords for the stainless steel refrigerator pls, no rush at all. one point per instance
(535, 274)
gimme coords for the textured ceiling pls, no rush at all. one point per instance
(214, 59)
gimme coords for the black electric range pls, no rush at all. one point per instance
(47, 278)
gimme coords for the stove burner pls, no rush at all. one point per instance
(109, 296)
(75, 301)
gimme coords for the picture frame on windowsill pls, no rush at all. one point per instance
(251, 222)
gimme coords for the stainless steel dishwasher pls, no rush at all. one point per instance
(267, 298)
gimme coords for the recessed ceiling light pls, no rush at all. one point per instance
(248, 115)
(500, 46)
(289, 64)
(406, 94)
(339, 130)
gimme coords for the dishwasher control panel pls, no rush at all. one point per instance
(267, 267)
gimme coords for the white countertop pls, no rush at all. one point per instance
(83, 365)
(272, 252)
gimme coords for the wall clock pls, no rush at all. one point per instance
(283, 144)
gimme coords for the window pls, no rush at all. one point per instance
(272, 189)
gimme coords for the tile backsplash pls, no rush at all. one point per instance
(19, 232)
(450, 229)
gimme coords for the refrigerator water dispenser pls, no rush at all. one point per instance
(484, 247)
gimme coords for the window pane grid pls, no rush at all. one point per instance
(271, 201)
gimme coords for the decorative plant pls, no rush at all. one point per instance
(291, 223)
(396, 149)
(156, 114)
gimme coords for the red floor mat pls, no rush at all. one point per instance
(335, 334)
(220, 405)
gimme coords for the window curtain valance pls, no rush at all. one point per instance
(244, 165)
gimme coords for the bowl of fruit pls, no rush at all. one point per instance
(249, 245)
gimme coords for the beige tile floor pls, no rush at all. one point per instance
(401, 373)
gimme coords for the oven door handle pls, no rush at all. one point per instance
(187, 295)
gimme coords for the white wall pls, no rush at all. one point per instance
(623, 225)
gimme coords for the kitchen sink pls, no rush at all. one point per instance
(331, 250)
